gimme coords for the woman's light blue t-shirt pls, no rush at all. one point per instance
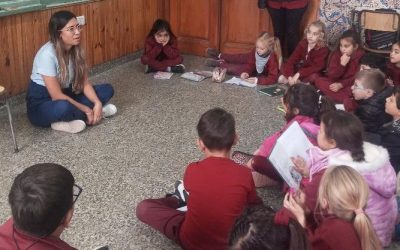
(46, 63)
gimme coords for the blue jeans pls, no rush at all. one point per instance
(43, 111)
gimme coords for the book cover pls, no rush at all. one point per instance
(273, 91)
(162, 75)
(293, 142)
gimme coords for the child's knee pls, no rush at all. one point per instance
(142, 210)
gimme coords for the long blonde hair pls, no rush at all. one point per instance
(322, 29)
(272, 43)
(57, 22)
(346, 193)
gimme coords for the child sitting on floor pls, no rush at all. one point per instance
(161, 51)
(42, 201)
(309, 57)
(260, 66)
(219, 190)
(393, 67)
(342, 67)
(342, 198)
(390, 133)
(303, 105)
(256, 229)
(367, 61)
(370, 92)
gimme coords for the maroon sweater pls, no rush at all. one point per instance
(23, 241)
(311, 62)
(270, 72)
(393, 73)
(219, 191)
(159, 56)
(334, 234)
(344, 74)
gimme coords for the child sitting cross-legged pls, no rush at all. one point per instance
(260, 66)
(370, 91)
(342, 199)
(42, 201)
(219, 190)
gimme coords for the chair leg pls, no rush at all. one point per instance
(12, 126)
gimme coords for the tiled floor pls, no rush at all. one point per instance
(137, 154)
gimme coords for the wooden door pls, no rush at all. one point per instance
(195, 23)
(241, 23)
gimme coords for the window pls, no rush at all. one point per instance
(11, 7)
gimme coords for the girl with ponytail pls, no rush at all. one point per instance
(342, 199)
(340, 142)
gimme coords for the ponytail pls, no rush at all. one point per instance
(368, 238)
(278, 51)
(325, 104)
(346, 193)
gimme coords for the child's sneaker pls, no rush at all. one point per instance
(180, 68)
(148, 69)
(180, 193)
(212, 53)
(213, 62)
(109, 110)
(72, 127)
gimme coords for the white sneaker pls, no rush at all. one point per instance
(73, 127)
(109, 110)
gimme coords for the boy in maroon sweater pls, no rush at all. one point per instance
(219, 191)
(42, 201)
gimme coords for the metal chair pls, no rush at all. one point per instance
(379, 20)
(4, 103)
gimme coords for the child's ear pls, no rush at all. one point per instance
(236, 140)
(369, 93)
(332, 143)
(201, 145)
(68, 217)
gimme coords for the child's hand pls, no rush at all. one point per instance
(390, 82)
(165, 43)
(344, 59)
(300, 166)
(296, 77)
(283, 80)
(290, 203)
(251, 80)
(244, 75)
(336, 86)
(291, 81)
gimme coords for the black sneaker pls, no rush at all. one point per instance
(148, 69)
(212, 53)
(180, 68)
(180, 193)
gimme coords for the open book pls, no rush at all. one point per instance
(292, 142)
(240, 82)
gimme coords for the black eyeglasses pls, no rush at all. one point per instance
(76, 191)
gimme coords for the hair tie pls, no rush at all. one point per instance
(320, 99)
(358, 211)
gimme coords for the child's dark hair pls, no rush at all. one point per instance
(40, 197)
(161, 25)
(216, 128)
(301, 99)
(347, 131)
(256, 229)
(396, 93)
(374, 61)
(372, 79)
(351, 36)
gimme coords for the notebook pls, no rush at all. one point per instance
(272, 91)
(162, 75)
(240, 82)
(293, 142)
